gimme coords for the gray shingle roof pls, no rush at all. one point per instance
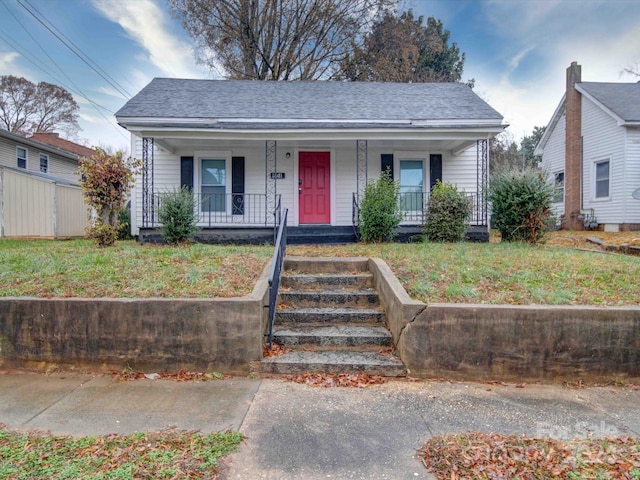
(623, 99)
(232, 99)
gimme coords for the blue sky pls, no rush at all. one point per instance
(517, 51)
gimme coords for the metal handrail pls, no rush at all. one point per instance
(277, 262)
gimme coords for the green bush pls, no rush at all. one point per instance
(448, 211)
(379, 213)
(124, 224)
(104, 235)
(177, 213)
(521, 204)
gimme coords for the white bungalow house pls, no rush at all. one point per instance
(591, 148)
(249, 149)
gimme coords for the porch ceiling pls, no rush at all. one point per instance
(452, 139)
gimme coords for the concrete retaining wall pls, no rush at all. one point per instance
(496, 342)
(218, 334)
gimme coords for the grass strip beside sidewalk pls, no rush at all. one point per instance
(157, 455)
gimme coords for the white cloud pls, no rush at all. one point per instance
(7, 61)
(538, 42)
(148, 25)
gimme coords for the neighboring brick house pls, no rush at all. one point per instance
(591, 147)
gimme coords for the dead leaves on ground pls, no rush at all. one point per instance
(327, 380)
(275, 350)
(180, 376)
(493, 456)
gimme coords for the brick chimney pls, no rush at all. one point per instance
(573, 151)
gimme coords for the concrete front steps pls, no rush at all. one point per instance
(329, 317)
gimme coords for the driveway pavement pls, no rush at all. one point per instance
(300, 432)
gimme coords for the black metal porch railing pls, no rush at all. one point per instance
(414, 205)
(280, 250)
(216, 209)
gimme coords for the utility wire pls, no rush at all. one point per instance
(26, 54)
(74, 48)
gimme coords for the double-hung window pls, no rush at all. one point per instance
(44, 163)
(213, 184)
(559, 185)
(411, 185)
(21, 156)
(602, 179)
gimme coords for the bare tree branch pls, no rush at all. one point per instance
(278, 39)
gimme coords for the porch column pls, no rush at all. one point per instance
(270, 188)
(148, 205)
(482, 180)
(361, 170)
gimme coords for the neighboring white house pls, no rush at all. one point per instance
(591, 147)
(249, 149)
(39, 191)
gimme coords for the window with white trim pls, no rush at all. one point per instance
(559, 186)
(21, 156)
(602, 178)
(411, 184)
(213, 184)
(44, 163)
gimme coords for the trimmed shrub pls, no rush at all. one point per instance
(521, 204)
(448, 211)
(379, 212)
(124, 224)
(177, 213)
(104, 235)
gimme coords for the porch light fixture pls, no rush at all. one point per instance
(287, 155)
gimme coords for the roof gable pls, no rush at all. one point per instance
(622, 100)
(307, 101)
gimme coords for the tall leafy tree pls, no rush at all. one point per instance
(504, 154)
(277, 39)
(528, 145)
(26, 108)
(402, 48)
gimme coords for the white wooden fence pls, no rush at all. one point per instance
(34, 206)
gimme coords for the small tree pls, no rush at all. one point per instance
(379, 212)
(521, 204)
(448, 211)
(106, 180)
(178, 215)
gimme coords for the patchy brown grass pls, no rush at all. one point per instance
(491, 456)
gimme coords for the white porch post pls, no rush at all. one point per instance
(148, 205)
(482, 180)
(362, 166)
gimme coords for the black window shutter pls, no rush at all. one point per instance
(386, 163)
(237, 185)
(186, 172)
(435, 169)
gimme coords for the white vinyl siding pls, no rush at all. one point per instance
(59, 166)
(632, 176)
(553, 159)
(603, 140)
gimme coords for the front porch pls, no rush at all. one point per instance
(241, 186)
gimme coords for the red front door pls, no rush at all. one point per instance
(314, 187)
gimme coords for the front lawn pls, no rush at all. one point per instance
(502, 273)
(496, 273)
(79, 268)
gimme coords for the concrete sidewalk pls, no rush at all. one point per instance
(300, 432)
